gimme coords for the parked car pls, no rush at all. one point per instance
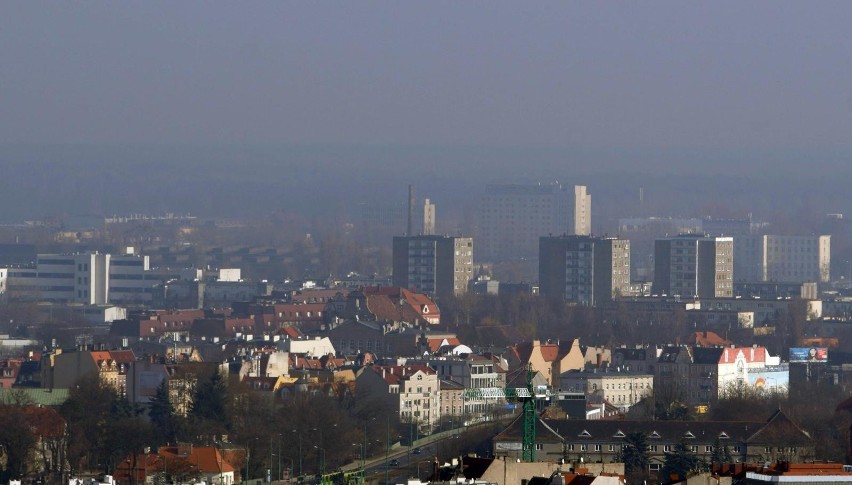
(417, 451)
(394, 462)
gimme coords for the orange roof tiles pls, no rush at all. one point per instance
(751, 354)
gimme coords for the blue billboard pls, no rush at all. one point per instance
(809, 354)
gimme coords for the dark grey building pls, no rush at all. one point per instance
(694, 266)
(434, 265)
(584, 269)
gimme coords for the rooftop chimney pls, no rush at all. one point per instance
(409, 231)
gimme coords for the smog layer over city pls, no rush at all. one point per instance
(316, 243)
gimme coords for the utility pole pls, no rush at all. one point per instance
(387, 448)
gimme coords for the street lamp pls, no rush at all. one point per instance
(300, 450)
(387, 447)
(322, 461)
(363, 459)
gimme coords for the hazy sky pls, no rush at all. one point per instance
(749, 75)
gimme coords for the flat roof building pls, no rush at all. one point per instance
(584, 269)
(694, 266)
(434, 265)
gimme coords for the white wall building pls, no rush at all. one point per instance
(582, 210)
(621, 389)
(89, 278)
(314, 348)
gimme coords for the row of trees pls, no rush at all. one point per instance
(306, 432)
(541, 317)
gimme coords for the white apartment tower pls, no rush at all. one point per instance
(582, 209)
(428, 218)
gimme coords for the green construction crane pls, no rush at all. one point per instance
(524, 395)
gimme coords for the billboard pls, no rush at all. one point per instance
(809, 354)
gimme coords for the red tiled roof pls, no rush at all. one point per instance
(422, 304)
(123, 356)
(751, 354)
(206, 458)
(100, 355)
(706, 339)
(436, 343)
(549, 352)
(298, 362)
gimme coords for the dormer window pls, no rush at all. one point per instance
(585, 434)
(618, 434)
(688, 434)
(655, 435)
(723, 435)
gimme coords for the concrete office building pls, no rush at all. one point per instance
(583, 269)
(694, 266)
(788, 259)
(88, 278)
(513, 217)
(434, 265)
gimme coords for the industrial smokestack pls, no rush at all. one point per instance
(409, 232)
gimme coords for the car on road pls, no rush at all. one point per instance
(394, 462)
(417, 451)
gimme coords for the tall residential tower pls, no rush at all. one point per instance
(513, 217)
(583, 269)
(694, 266)
(434, 265)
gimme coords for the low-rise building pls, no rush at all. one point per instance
(776, 439)
(621, 388)
(411, 390)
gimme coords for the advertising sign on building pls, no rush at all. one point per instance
(809, 354)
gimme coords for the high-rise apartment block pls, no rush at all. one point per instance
(583, 269)
(582, 212)
(434, 265)
(513, 217)
(428, 218)
(786, 259)
(694, 266)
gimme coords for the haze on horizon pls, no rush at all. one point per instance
(371, 93)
